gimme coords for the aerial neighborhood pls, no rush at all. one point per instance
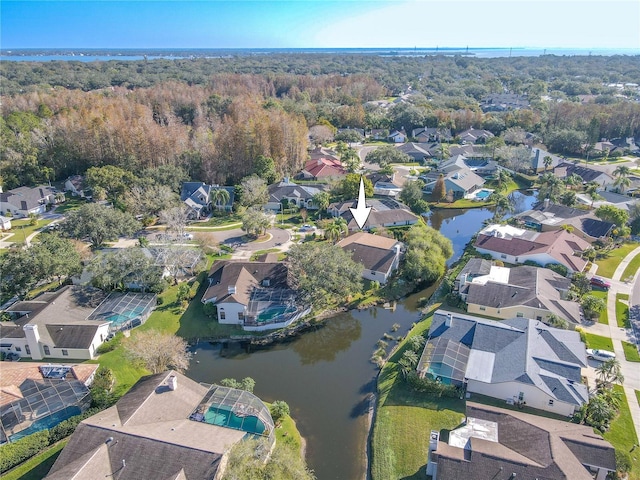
(458, 260)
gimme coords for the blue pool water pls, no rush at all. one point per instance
(483, 194)
(44, 423)
(223, 417)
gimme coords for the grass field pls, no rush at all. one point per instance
(622, 310)
(622, 435)
(632, 268)
(22, 229)
(603, 318)
(597, 341)
(630, 352)
(607, 266)
(404, 421)
(638, 396)
(36, 467)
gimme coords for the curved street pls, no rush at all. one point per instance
(630, 370)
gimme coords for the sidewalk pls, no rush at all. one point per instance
(630, 370)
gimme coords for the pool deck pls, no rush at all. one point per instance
(474, 195)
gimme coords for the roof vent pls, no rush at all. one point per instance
(172, 382)
(266, 282)
(448, 320)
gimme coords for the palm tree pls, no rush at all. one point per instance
(502, 205)
(336, 229)
(551, 187)
(219, 196)
(608, 373)
(591, 189)
(548, 161)
(622, 173)
(502, 178)
(573, 180)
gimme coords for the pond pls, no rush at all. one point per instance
(325, 375)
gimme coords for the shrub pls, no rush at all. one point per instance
(66, 428)
(279, 409)
(531, 263)
(623, 461)
(110, 345)
(558, 268)
(209, 309)
(12, 454)
(498, 263)
(431, 387)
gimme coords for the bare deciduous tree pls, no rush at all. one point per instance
(175, 219)
(158, 351)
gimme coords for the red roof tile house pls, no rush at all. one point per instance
(322, 168)
(515, 245)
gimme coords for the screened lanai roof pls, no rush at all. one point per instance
(118, 306)
(234, 408)
(445, 359)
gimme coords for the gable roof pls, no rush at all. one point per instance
(527, 286)
(27, 198)
(518, 350)
(537, 158)
(527, 446)
(233, 281)
(324, 167)
(383, 212)
(147, 434)
(587, 174)
(288, 189)
(375, 252)
(559, 244)
(555, 215)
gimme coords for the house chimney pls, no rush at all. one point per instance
(172, 382)
(33, 340)
(286, 179)
(448, 320)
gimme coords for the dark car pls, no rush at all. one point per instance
(599, 282)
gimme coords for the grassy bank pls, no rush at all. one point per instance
(597, 342)
(622, 434)
(607, 266)
(36, 467)
(622, 310)
(404, 421)
(602, 294)
(632, 268)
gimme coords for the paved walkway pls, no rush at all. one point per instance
(630, 370)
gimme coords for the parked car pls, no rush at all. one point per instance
(601, 355)
(188, 236)
(600, 282)
(307, 228)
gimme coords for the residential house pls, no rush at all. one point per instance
(55, 325)
(546, 216)
(524, 291)
(5, 223)
(24, 201)
(430, 135)
(608, 198)
(520, 360)
(385, 185)
(566, 169)
(35, 396)
(386, 212)
(482, 166)
(474, 135)
(520, 446)
(397, 137)
(254, 295)
(625, 145)
(515, 245)
(379, 255)
(166, 426)
(75, 185)
(322, 152)
(71, 322)
(322, 169)
(300, 196)
(503, 102)
(378, 133)
(459, 179)
(538, 157)
(197, 197)
(418, 152)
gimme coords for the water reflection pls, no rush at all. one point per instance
(336, 336)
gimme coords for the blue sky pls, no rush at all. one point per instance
(589, 24)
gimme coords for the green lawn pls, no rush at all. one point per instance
(607, 266)
(632, 268)
(71, 203)
(404, 421)
(630, 352)
(638, 396)
(218, 221)
(22, 229)
(597, 342)
(622, 434)
(36, 467)
(622, 310)
(603, 318)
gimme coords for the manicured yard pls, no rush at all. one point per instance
(638, 396)
(597, 342)
(71, 203)
(630, 352)
(404, 421)
(607, 266)
(632, 268)
(622, 310)
(622, 435)
(603, 318)
(36, 467)
(22, 229)
(219, 220)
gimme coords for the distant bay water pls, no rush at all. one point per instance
(93, 55)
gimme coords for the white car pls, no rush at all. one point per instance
(601, 355)
(188, 236)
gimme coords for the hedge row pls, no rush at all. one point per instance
(13, 454)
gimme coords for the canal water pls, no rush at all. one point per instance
(325, 376)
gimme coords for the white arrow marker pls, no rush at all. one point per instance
(361, 212)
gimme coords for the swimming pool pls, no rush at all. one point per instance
(482, 194)
(118, 319)
(273, 312)
(47, 422)
(224, 417)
